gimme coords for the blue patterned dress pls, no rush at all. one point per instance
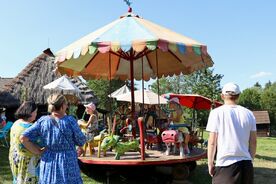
(59, 163)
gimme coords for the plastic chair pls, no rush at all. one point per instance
(4, 132)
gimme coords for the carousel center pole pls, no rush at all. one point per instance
(131, 60)
(140, 120)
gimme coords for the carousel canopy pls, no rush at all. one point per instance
(154, 50)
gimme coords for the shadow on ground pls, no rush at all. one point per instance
(146, 174)
(264, 175)
(124, 175)
(273, 159)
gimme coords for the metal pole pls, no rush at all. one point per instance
(142, 139)
(158, 89)
(110, 99)
(131, 60)
(143, 86)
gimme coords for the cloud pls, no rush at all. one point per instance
(260, 74)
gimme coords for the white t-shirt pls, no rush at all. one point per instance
(233, 124)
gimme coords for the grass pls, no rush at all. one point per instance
(5, 171)
(264, 166)
(265, 161)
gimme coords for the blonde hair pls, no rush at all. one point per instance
(55, 102)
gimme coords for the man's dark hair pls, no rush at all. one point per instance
(234, 97)
(25, 110)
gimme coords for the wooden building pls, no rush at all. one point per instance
(263, 123)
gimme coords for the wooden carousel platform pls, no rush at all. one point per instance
(153, 157)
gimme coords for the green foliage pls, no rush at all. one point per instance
(72, 110)
(257, 84)
(203, 82)
(268, 98)
(268, 102)
(23, 93)
(250, 98)
(163, 87)
(267, 85)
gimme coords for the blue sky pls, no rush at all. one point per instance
(240, 35)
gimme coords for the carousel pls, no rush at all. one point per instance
(134, 48)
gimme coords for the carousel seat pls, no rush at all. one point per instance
(177, 126)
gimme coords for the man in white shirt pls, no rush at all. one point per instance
(232, 137)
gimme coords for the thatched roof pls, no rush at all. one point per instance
(3, 82)
(28, 84)
(6, 99)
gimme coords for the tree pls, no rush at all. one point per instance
(257, 84)
(250, 98)
(268, 84)
(268, 102)
(162, 86)
(203, 82)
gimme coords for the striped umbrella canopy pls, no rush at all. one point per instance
(132, 48)
(154, 51)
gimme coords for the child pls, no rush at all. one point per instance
(91, 126)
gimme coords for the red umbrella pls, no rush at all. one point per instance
(217, 104)
(194, 101)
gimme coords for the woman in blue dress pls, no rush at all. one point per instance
(60, 134)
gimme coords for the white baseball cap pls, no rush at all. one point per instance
(91, 106)
(231, 89)
(175, 100)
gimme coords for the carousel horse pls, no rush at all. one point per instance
(152, 137)
(95, 142)
(176, 138)
(112, 141)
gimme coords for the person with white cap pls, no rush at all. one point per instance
(91, 126)
(232, 139)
